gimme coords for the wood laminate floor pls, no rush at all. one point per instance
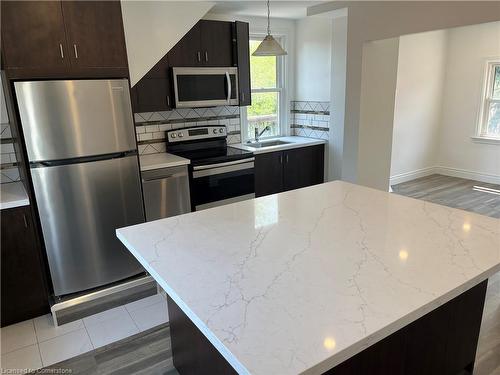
(149, 352)
(468, 195)
(146, 353)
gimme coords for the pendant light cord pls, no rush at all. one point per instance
(268, 19)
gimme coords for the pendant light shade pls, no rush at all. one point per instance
(269, 46)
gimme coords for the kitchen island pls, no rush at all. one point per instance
(333, 278)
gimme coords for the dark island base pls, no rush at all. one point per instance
(442, 342)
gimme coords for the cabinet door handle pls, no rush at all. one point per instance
(25, 221)
(168, 100)
(242, 96)
(281, 159)
(61, 50)
(287, 158)
(198, 54)
(76, 51)
(206, 56)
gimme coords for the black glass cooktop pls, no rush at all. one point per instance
(212, 155)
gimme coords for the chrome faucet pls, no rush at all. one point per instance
(258, 134)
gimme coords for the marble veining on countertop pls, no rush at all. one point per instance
(13, 195)
(161, 160)
(294, 141)
(300, 281)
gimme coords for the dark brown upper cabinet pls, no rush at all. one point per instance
(242, 53)
(94, 32)
(216, 43)
(187, 51)
(63, 39)
(33, 35)
(208, 43)
(154, 92)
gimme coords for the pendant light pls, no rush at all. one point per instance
(269, 46)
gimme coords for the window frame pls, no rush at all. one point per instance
(486, 100)
(281, 89)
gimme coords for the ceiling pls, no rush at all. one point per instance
(279, 9)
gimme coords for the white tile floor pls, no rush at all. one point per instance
(37, 343)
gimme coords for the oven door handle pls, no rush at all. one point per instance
(228, 82)
(222, 169)
(209, 166)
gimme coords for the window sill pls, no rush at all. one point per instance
(486, 140)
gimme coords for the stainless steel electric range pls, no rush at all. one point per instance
(218, 174)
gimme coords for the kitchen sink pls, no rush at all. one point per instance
(267, 143)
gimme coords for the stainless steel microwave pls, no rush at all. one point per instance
(205, 87)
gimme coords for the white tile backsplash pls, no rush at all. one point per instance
(151, 126)
(8, 160)
(310, 119)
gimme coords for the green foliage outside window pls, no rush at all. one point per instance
(263, 76)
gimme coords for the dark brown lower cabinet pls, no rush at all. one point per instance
(23, 288)
(268, 173)
(303, 167)
(290, 169)
(442, 342)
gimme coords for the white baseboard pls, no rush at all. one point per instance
(470, 175)
(408, 176)
(446, 171)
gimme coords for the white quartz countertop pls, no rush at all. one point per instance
(294, 142)
(298, 282)
(13, 195)
(162, 160)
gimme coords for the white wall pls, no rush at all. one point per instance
(417, 112)
(313, 59)
(152, 28)
(437, 105)
(337, 104)
(468, 48)
(379, 75)
(376, 20)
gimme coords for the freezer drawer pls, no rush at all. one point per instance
(70, 119)
(80, 206)
(166, 192)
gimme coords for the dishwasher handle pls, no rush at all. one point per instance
(160, 174)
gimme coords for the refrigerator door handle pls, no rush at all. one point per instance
(85, 159)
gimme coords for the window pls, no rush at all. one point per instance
(489, 119)
(267, 93)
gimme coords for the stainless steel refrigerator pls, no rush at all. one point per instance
(82, 152)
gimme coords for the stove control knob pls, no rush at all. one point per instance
(180, 135)
(221, 130)
(215, 131)
(172, 135)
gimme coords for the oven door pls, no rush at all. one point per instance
(205, 87)
(223, 183)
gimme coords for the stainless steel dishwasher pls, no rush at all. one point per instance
(166, 192)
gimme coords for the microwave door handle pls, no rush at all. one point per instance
(228, 82)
